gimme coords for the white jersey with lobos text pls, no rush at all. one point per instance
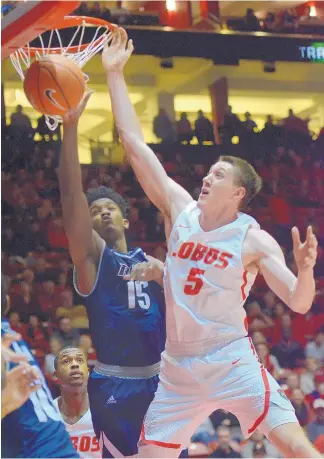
(82, 435)
(205, 284)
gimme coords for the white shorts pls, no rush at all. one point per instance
(231, 378)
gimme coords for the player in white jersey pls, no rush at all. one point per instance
(214, 254)
(72, 372)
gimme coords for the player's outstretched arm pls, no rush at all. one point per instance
(84, 243)
(298, 293)
(168, 196)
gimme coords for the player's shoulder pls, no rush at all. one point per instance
(258, 242)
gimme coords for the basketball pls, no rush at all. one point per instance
(54, 84)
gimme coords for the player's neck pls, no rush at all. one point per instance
(120, 245)
(213, 220)
(73, 405)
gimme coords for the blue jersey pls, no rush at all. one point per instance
(126, 318)
(35, 429)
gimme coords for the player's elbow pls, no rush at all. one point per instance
(300, 308)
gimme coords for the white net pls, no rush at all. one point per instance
(52, 43)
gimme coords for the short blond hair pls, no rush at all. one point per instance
(245, 176)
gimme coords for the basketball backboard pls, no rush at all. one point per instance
(26, 20)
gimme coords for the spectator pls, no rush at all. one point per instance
(35, 238)
(157, 232)
(89, 351)
(249, 125)
(77, 314)
(307, 383)
(203, 128)
(16, 324)
(269, 23)
(55, 346)
(184, 129)
(257, 320)
(231, 125)
(56, 235)
(293, 382)
(25, 302)
(289, 353)
(48, 299)
(162, 127)
(20, 120)
(269, 361)
(223, 418)
(69, 335)
(257, 439)
(41, 273)
(289, 21)
(226, 447)
(316, 428)
(315, 348)
(301, 408)
(37, 335)
(318, 392)
(251, 21)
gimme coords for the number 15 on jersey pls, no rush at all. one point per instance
(136, 293)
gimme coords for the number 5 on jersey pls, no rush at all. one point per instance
(135, 292)
(194, 282)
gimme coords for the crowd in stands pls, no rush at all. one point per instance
(47, 312)
(291, 131)
(285, 22)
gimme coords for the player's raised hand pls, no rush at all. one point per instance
(151, 270)
(9, 355)
(20, 382)
(305, 253)
(73, 116)
(116, 54)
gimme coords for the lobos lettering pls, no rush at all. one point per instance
(85, 443)
(200, 252)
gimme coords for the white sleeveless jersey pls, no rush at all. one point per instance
(205, 284)
(82, 435)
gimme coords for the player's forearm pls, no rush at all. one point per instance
(76, 219)
(126, 118)
(70, 177)
(303, 293)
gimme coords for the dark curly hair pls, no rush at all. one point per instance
(108, 193)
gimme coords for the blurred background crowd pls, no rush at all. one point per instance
(48, 313)
(287, 150)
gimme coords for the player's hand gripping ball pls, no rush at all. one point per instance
(54, 85)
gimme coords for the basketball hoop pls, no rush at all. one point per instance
(74, 49)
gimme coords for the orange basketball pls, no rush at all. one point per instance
(54, 84)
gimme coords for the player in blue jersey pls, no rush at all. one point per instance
(34, 429)
(127, 318)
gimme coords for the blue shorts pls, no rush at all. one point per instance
(118, 407)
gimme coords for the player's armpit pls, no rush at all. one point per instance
(86, 267)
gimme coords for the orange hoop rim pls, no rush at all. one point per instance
(72, 21)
